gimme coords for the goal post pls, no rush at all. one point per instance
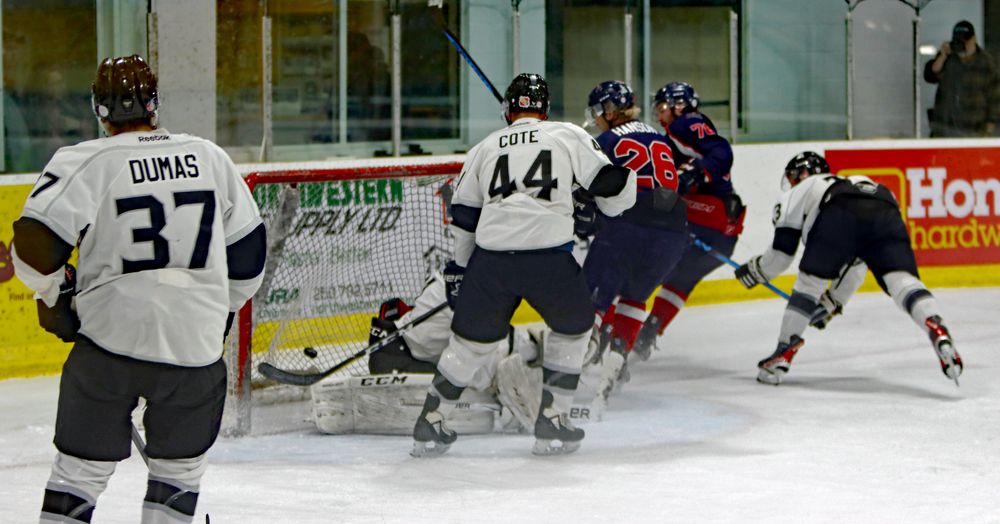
(343, 236)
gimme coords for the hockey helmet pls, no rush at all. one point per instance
(801, 166)
(675, 94)
(528, 92)
(124, 90)
(610, 95)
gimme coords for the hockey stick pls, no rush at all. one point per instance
(308, 379)
(711, 251)
(439, 16)
(140, 445)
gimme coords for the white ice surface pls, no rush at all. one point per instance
(866, 428)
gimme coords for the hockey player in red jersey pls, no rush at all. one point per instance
(840, 220)
(714, 211)
(632, 253)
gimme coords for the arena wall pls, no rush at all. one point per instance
(949, 191)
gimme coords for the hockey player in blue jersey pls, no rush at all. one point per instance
(715, 212)
(631, 254)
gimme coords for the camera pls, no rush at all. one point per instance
(957, 45)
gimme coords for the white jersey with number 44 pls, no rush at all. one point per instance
(153, 213)
(522, 177)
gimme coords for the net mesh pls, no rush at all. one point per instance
(342, 239)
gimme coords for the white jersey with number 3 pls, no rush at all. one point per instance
(522, 177)
(153, 213)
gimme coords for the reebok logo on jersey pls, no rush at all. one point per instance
(154, 138)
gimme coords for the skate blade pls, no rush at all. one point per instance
(546, 447)
(428, 449)
(768, 377)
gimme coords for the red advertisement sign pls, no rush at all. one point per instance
(950, 198)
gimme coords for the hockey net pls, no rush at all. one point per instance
(342, 238)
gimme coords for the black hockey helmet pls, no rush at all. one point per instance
(675, 94)
(124, 90)
(801, 166)
(527, 92)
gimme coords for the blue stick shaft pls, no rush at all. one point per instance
(711, 251)
(472, 63)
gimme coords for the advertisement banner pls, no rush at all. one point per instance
(949, 198)
(26, 349)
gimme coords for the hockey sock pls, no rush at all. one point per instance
(911, 296)
(629, 316)
(666, 305)
(561, 386)
(168, 502)
(801, 305)
(73, 488)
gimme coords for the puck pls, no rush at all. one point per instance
(310, 352)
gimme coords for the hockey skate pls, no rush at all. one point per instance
(951, 363)
(774, 367)
(645, 342)
(431, 437)
(552, 426)
(619, 346)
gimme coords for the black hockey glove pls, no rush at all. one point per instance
(749, 274)
(453, 275)
(689, 176)
(828, 308)
(61, 319)
(584, 214)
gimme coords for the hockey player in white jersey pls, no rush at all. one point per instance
(840, 221)
(512, 217)
(170, 244)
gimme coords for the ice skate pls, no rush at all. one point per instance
(431, 437)
(645, 343)
(773, 368)
(552, 426)
(951, 363)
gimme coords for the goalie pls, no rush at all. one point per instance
(384, 401)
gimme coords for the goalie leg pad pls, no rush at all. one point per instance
(519, 389)
(388, 405)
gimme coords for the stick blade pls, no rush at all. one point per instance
(287, 377)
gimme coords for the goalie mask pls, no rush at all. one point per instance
(124, 90)
(528, 92)
(802, 166)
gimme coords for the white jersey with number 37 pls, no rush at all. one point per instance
(153, 213)
(522, 177)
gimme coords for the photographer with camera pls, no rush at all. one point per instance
(967, 102)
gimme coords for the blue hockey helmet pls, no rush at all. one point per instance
(676, 93)
(609, 95)
(528, 92)
(801, 166)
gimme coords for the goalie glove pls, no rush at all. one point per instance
(61, 319)
(750, 274)
(453, 275)
(828, 308)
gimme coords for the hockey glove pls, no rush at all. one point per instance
(61, 319)
(749, 274)
(828, 308)
(584, 214)
(453, 275)
(689, 176)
